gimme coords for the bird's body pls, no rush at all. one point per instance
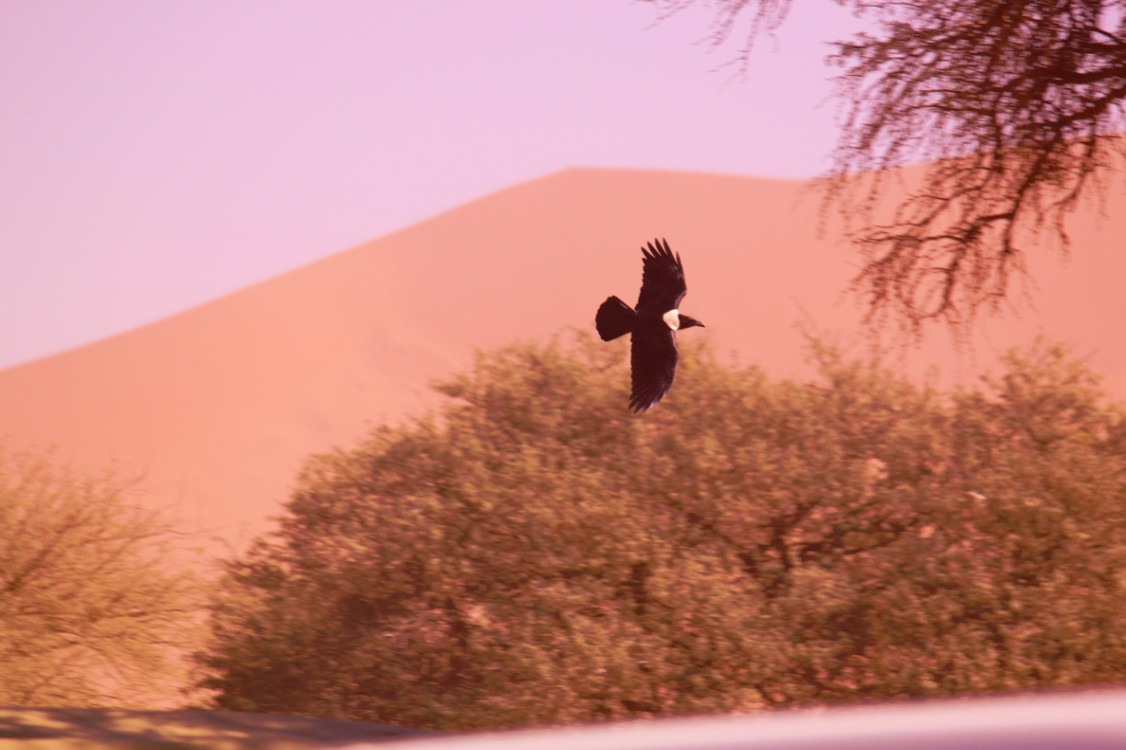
(652, 325)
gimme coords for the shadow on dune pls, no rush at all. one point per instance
(116, 728)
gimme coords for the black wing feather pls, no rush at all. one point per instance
(653, 355)
(662, 279)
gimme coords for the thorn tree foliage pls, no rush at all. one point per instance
(534, 554)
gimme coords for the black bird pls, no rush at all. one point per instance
(652, 326)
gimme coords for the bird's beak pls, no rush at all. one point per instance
(687, 321)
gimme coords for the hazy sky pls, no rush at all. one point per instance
(155, 154)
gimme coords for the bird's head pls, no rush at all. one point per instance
(687, 321)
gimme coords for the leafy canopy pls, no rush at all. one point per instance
(535, 554)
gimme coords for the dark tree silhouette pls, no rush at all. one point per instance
(1009, 103)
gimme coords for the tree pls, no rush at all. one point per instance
(88, 614)
(535, 554)
(1012, 103)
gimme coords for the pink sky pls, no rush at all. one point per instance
(159, 154)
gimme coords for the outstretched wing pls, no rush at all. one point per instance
(653, 355)
(662, 279)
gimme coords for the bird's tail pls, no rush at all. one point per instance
(615, 318)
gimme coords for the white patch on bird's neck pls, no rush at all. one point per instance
(672, 319)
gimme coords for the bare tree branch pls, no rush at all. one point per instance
(1009, 105)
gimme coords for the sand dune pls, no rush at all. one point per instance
(218, 406)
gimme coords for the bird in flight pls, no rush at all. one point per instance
(652, 325)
